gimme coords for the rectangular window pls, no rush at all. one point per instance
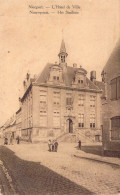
(56, 118)
(56, 98)
(92, 120)
(43, 118)
(118, 87)
(81, 100)
(114, 89)
(43, 112)
(80, 120)
(115, 128)
(43, 95)
(80, 81)
(43, 98)
(68, 101)
(56, 94)
(56, 78)
(92, 101)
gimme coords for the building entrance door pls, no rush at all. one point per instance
(70, 125)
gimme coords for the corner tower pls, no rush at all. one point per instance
(63, 54)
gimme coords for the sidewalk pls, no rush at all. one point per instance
(102, 159)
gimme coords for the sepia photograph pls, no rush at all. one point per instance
(60, 97)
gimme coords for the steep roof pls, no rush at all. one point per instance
(10, 122)
(112, 67)
(44, 75)
(101, 86)
(68, 76)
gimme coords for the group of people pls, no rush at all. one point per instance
(10, 140)
(53, 145)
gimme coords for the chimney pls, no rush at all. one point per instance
(74, 65)
(93, 75)
(27, 76)
(24, 85)
(20, 102)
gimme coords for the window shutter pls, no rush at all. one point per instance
(118, 87)
(113, 89)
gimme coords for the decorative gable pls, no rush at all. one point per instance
(55, 75)
(80, 78)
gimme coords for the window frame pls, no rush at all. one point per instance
(81, 120)
(92, 121)
(117, 82)
(115, 128)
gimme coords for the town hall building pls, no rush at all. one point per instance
(61, 100)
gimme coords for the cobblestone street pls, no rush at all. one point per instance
(41, 172)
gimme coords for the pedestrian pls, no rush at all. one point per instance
(5, 141)
(18, 139)
(79, 144)
(49, 145)
(11, 139)
(55, 146)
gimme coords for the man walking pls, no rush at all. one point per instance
(79, 144)
(49, 145)
(56, 146)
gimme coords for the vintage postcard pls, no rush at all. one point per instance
(59, 97)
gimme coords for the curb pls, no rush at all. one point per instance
(99, 161)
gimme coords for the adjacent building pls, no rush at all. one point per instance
(62, 99)
(18, 122)
(111, 103)
(10, 128)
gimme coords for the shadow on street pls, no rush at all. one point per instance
(34, 178)
(93, 149)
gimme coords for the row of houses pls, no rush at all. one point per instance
(63, 101)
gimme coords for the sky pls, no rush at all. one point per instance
(29, 41)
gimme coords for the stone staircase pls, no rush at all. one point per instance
(75, 137)
(68, 137)
(80, 135)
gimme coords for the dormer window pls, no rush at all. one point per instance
(55, 78)
(56, 75)
(80, 81)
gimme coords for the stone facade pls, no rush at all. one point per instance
(61, 100)
(10, 128)
(111, 103)
(18, 122)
